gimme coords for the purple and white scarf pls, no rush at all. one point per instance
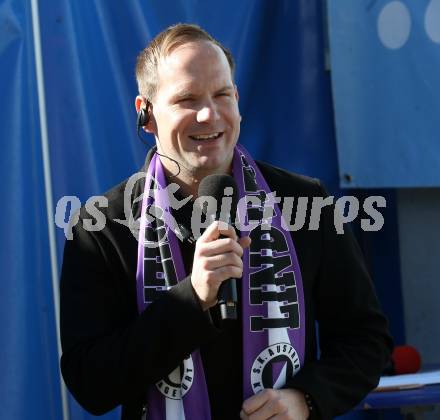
(272, 298)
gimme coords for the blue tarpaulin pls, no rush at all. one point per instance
(385, 60)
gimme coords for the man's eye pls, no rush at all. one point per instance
(183, 100)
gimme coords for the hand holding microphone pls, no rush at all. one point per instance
(217, 258)
(218, 255)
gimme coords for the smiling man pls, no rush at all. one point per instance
(194, 107)
(140, 324)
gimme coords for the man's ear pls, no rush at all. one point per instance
(236, 93)
(143, 105)
(237, 96)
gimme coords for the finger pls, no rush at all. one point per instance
(215, 230)
(217, 276)
(220, 246)
(228, 272)
(256, 401)
(281, 416)
(243, 415)
(220, 260)
(244, 242)
(271, 408)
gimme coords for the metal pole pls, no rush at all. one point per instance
(48, 188)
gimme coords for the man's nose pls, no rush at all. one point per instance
(207, 113)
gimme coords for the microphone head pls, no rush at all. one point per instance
(406, 359)
(221, 187)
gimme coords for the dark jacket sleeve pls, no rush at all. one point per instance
(353, 334)
(110, 354)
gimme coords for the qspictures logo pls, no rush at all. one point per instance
(297, 212)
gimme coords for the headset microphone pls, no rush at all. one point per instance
(143, 116)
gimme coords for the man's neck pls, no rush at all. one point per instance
(189, 182)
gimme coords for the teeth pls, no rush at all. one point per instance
(206, 136)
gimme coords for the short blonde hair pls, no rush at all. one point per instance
(162, 45)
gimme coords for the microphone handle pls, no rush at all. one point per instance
(227, 299)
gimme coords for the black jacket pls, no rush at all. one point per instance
(111, 353)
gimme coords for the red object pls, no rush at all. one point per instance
(406, 359)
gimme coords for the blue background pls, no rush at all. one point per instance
(387, 101)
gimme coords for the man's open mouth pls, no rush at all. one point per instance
(204, 137)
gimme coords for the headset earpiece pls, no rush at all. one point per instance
(142, 118)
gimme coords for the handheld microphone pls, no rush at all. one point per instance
(404, 359)
(224, 189)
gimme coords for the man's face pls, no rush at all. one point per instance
(195, 110)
